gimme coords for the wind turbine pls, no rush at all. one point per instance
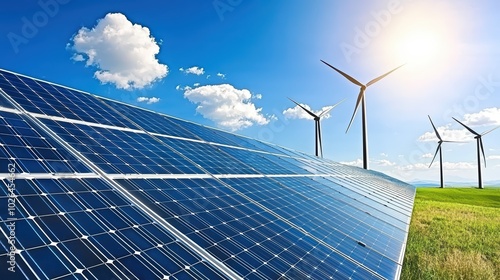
(480, 149)
(317, 128)
(361, 98)
(440, 152)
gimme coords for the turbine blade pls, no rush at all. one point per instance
(360, 96)
(325, 112)
(435, 154)
(354, 81)
(484, 133)
(328, 110)
(309, 112)
(482, 150)
(435, 130)
(383, 76)
(468, 128)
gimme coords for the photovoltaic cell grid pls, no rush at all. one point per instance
(111, 191)
(81, 228)
(33, 150)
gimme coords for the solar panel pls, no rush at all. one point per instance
(98, 189)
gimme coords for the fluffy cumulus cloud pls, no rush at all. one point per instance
(123, 52)
(447, 134)
(229, 107)
(299, 113)
(148, 100)
(195, 70)
(488, 116)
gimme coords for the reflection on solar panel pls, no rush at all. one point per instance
(97, 189)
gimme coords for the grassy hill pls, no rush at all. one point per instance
(454, 234)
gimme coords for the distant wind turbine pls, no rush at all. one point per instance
(317, 128)
(361, 98)
(480, 149)
(440, 152)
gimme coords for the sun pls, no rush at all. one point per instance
(420, 47)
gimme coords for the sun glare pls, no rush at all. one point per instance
(420, 47)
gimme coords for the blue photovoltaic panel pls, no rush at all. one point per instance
(31, 150)
(169, 126)
(163, 198)
(45, 98)
(118, 151)
(210, 157)
(265, 163)
(240, 233)
(151, 121)
(69, 225)
(323, 217)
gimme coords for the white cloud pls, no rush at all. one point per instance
(148, 100)
(299, 113)
(453, 166)
(183, 88)
(428, 155)
(78, 57)
(229, 107)
(384, 155)
(196, 84)
(193, 70)
(358, 162)
(458, 165)
(488, 116)
(222, 76)
(413, 167)
(494, 157)
(447, 134)
(257, 96)
(385, 162)
(123, 52)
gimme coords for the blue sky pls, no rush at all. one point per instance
(232, 64)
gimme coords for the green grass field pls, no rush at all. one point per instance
(454, 234)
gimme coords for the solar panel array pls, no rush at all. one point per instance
(98, 189)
